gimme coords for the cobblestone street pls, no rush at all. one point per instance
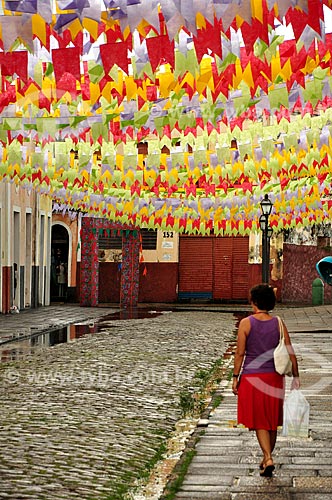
(78, 418)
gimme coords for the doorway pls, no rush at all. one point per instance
(59, 263)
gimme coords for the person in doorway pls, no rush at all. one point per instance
(260, 389)
(15, 280)
(62, 278)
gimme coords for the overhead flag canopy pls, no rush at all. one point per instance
(172, 114)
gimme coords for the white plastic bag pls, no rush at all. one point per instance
(296, 415)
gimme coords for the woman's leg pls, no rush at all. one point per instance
(273, 439)
(264, 440)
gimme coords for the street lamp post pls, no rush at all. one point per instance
(266, 207)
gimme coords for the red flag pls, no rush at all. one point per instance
(15, 62)
(208, 38)
(160, 50)
(66, 61)
(114, 53)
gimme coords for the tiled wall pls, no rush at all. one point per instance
(299, 271)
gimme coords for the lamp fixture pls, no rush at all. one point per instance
(266, 205)
(262, 222)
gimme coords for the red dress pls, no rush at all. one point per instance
(261, 389)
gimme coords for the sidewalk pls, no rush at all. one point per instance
(227, 458)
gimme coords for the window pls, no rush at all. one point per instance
(142, 148)
(110, 242)
(149, 239)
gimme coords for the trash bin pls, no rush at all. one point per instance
(317, 292)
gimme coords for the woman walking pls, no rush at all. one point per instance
(261, 390)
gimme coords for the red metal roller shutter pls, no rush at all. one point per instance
(195, 267)
(222, 257)
(240, 278)
(231, 268)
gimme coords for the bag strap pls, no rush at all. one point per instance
(281, 327)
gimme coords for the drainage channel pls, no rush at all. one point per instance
(16, 347)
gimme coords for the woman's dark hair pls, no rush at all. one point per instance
(263, 297)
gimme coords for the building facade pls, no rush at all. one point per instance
(25, 248)
(175, 267)
(41, 260)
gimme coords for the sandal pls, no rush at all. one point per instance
(268, 469)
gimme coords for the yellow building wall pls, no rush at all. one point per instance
(167, 248)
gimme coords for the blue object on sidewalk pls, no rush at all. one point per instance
(324, 269)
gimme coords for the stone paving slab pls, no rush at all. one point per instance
(303, 466)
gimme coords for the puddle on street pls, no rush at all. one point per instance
(18, 348)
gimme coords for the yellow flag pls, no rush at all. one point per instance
(39, 28)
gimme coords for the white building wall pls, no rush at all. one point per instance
(21, 242)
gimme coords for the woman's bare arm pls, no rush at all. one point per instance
(244, 328)
(292, 355)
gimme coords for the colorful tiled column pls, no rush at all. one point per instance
(91, 228)
(130, 269)
(89, 262)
